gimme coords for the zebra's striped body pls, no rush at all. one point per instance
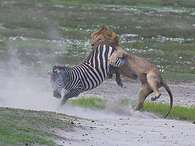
(85, 76)
(94, 69)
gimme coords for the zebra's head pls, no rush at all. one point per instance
(59, 78)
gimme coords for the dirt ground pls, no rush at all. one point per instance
(130, 128)
(183, 93)
(135, 130)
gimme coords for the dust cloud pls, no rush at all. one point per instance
(23, 86)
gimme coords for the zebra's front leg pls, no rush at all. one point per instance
(70, 94)
(111, 71)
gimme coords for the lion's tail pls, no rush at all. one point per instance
(170, 96)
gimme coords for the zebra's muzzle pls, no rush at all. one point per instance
(56, 94)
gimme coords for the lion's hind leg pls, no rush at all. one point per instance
(143, 93)
(154, 83)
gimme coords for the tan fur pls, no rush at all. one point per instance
(147, 73)
(103, 35)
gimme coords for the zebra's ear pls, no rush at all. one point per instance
(57, 68)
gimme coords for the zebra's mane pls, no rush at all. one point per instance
(61, 67)
(89, 55)
(100, 45)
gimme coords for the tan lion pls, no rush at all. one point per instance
(133, 67)
(148, 74)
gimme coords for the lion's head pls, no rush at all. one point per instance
(103, 35)
(119, 53)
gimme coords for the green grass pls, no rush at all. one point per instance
(175, 3)
(73, 21)
(89, 102)
(178, 112)
(96, 102)
(21, 127)
(180, 77)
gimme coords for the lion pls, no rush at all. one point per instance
(147, 73)
(132, 67)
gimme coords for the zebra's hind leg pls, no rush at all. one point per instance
(70, 94)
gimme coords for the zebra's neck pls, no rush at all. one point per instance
(100, 55)
(94, 69)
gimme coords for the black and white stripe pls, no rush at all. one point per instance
(119, 62)
(85, 76)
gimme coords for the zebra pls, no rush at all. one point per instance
(85, 76)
